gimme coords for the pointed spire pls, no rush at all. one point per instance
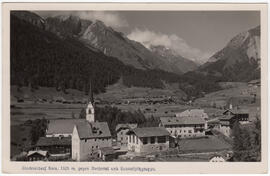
(90, 94)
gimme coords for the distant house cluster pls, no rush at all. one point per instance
(225, 122)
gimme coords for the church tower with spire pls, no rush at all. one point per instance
(90, 110)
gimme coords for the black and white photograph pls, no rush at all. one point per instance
(135, 86)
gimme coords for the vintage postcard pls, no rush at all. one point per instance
(134, 88)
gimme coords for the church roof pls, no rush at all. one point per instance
(62, 126)
(93, 130)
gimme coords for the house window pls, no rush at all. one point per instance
(189, 131)
(136, 140)
(161, 139)
(85, 140)
(152, 140)
(130, 139)
(144, 140)
(133, 139)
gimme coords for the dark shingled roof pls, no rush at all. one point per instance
(50, 141)
(226, 117)
(255, 81)
(93, 130)
(181, 120)
(107, 150)
(64, 126)
(236, 111)
(125, 126)
(150, 131)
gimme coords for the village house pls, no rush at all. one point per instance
(37, 155)
(122, 137)
(185, 126)
(148, 140)
(241, 115)
(217, 158)
(56, 146)
(89, 136)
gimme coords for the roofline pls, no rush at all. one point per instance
(96, 137)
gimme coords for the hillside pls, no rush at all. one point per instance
(41, 58)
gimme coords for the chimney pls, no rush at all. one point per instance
(230, 107)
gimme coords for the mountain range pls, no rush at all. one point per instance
(64, 51)
(95, 34)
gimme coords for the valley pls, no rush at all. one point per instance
(80, 79)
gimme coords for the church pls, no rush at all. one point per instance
(89, 137)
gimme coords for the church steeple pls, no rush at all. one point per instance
(90, 94)
(90, 110)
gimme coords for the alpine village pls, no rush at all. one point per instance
(82, 91)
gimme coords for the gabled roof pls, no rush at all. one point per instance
(185, 120)
(193, 113)
(50, 141)
(40, 152)
(93, 130)
(149, 131)
(64, 126)
(125, 126)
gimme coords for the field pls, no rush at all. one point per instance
(209, 144)
(236, 93)
(49, 103)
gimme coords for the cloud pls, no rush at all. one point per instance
(174, 42)
(112, 19)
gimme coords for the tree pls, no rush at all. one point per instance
(247, 142)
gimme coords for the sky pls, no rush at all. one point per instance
(193, 34)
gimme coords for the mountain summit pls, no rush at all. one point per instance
(172, 57)
(239, 60)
